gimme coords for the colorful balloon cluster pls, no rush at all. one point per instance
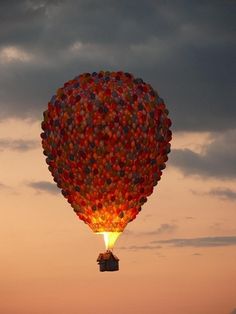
(106, 137)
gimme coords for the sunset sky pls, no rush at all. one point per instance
(179, 255)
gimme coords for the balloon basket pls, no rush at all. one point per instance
(107, 261)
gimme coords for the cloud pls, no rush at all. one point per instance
(20, 145)
(139, 247)
(128, 232)
(185, 50)
(44, 186)
(164, 228)
(217, 226)
(223, 193)
(3, 186)
(199, 242)
(7, 189)
(217, 159)
(14, 54)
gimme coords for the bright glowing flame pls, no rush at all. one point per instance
(110, 239)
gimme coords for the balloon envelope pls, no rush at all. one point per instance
(106, 137)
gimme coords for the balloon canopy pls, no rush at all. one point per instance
(106, 137)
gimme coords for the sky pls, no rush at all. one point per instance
(179, 255)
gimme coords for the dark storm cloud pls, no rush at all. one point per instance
(17, 145)
(185, 50)
(44, 186)
(199, 242)
(217, 160)
(87, 21)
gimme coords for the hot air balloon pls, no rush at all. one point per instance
(106, 137)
